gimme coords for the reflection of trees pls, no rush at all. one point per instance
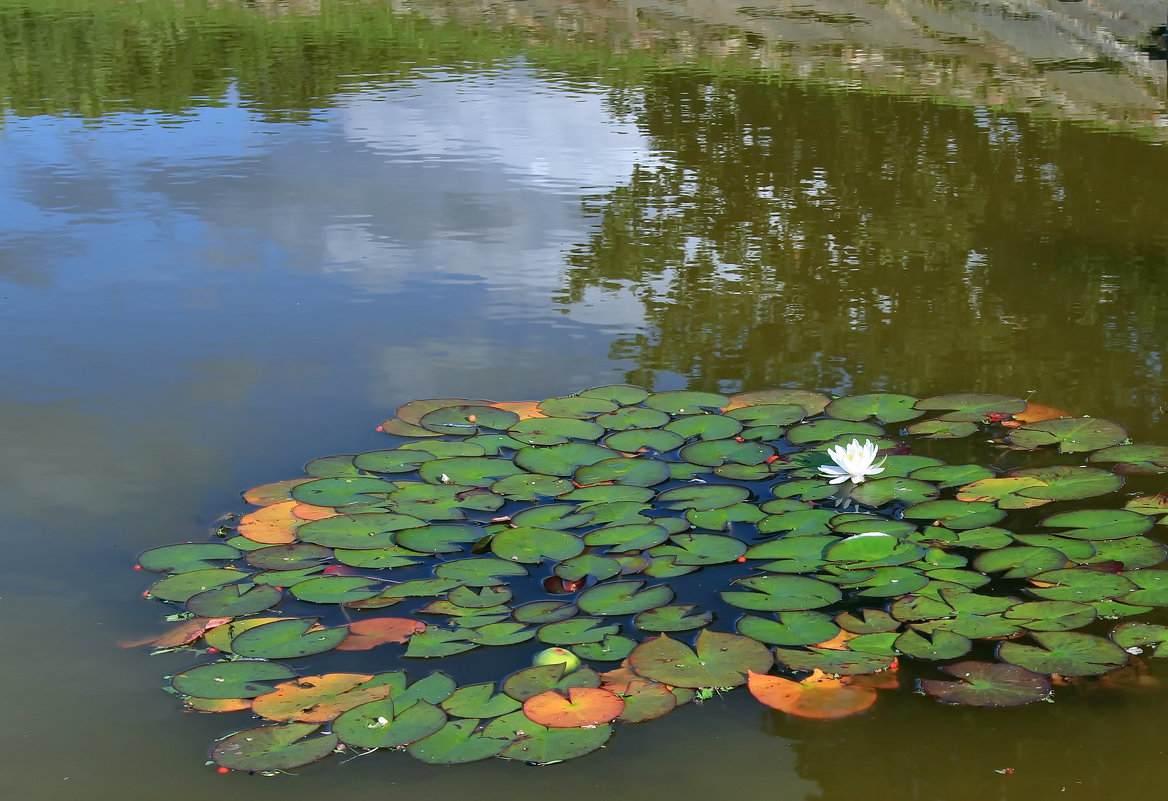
(837, 239)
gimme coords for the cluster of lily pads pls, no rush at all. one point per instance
(814, 545)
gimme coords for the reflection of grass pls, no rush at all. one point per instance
(92, 57)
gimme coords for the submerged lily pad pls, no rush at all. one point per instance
(988, 684)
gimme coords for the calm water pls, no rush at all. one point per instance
(235, 236)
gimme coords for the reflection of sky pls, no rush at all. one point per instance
(200, 268)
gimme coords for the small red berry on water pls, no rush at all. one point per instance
(137, 567)
(470, 418)
(741, 559)
(146, 593)
(222, 769)
(770, 459)
(1009, 771)
(212, 650)
(379, 428)
(279, 588)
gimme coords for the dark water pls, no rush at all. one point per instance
(235, 236)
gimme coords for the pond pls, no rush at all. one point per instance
(238, 235)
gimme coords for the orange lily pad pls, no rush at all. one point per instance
(1036, 413)
(272, 525)
(372, 632)
(839, 642)
(217, 704)
(525, 409)
(817, 696)
(317, 699)
(183, 633)
(583, 706)
(268, 494)
(306, 511)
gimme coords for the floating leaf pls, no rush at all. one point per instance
(1135, 458)
(582, 707)
(881, 491)
(234, 600)
(1064, 652)
(273, 748)
(532, 681)
(479, 701)
(317, 699)
(818, 696)
(782, 594)
(576, 631)
(1071, 434)
(242, 679)
(721, 660)
(672, 618)
(187, 557)
(1100, 524)
(180, 587)
(942, 429)
(885, 407)
(541, 745)
(790, 628)
(988, 684)
(833, 661)
(286, 639)
(623, 598)
(457, 743)
(372, 632)
(972, 407)
(375, 724)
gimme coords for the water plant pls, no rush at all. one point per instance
(649, 549)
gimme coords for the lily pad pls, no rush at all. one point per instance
(287, 639)
(623, 598)
(457, 743)
(1066, 653)
(240, 679)
(541, 745)
(273, 748)
(988, 684)
(720, 660)
(375, 724)
(1071, 434)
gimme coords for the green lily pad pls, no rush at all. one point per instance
(706, 427)
(628, 537)
(233, 600)
(956, 514)
(554, 430)
(500, 633)
(813, 402)
(624, 394)
(479, 598)
(560, 460)
(531, 487)
(589, 564)
(294, 556)
(720, 519)
(782, 593)
(885, 407)
(1132, 552)
(623, 470)
(685, 401)
(336, 589)
(881, 491)
(703, 497)
(798, 523)
(807, 490)
(681, 617)
(972, 407)
(1135, 458)
(181, 587)
(479, 572)
(267, 748)
(240, 679)
(716, 452)
(1152, 505)
(540, 745)
(1071, 434)
(942, 429)
(467, 419)
(357, 531)
(1020, 561)
(863, 548)
(632, 417)
(559, 516)
(1005, 493)
(825, 430)
(332, 466)
(1100, 524)
(287, 639)
(937, 645)
(582, 407)
(576, 631)
(1066, 653)
(1068, 483)
(526, 683)
(457, 743)
(612, 648)
(1082, 585)
(867, 621)
(532, 545)
(1052, 615)
(393, 460)
(987, 684)
(720, 660)
(1136, 637)
(187, 557)
(375, 724)
(479, 701)
(635, 439)
(471, 471)
(1153, 587)
(437, 642)
(441, 538)
(951, 475)
(623, 598)
(540, 612)
(790, 628)
(700, 549)
(769, 415)
(841, 663)
(344, 491)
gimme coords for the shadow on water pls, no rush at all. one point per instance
(235, 238)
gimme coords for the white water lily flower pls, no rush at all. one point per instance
(854, 461)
